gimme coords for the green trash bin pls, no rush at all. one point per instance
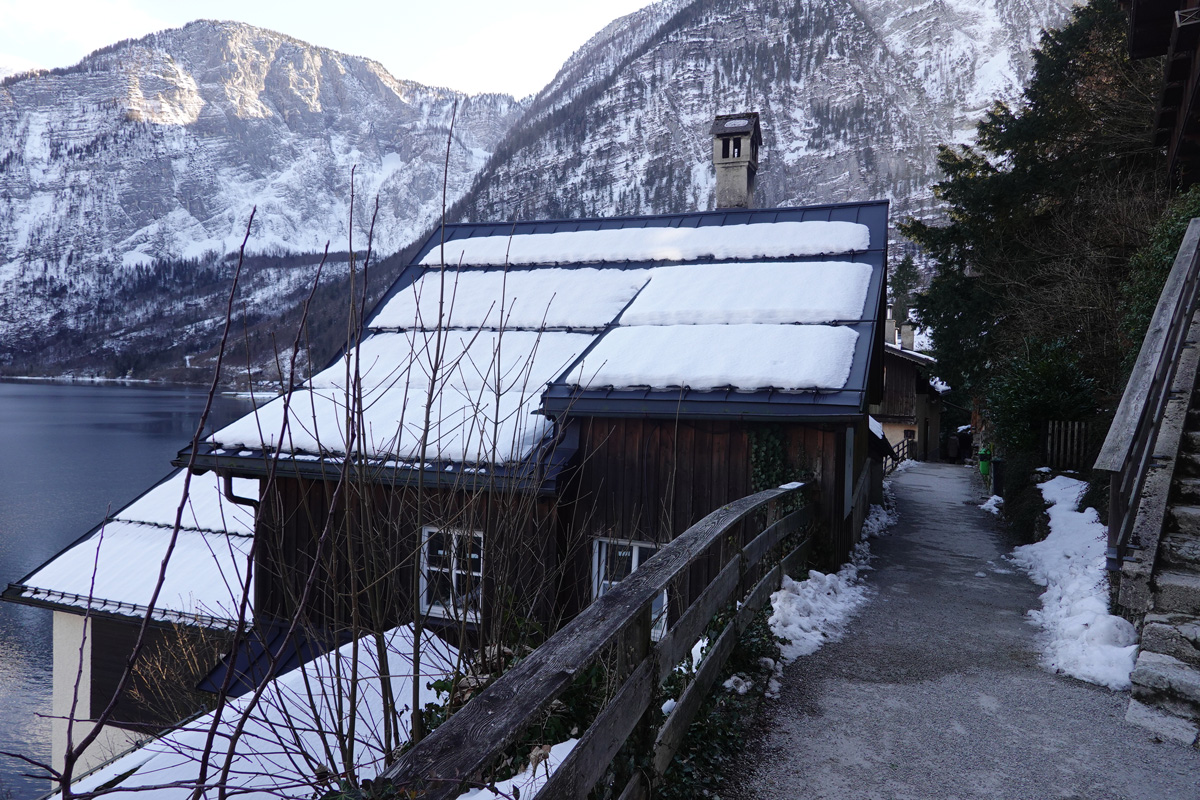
(985, 461)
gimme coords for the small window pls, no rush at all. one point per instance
(910, 434)
(725, 148)
(616, 559)
(451, 573)
(737, 147)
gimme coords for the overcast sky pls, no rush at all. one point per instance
(512, 46)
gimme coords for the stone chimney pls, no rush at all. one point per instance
(889, 331)
(736, 140)
(906, 335)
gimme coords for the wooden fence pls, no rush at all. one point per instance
(462, 748)
(1130, 446)
(1066, 445)
(901, 449)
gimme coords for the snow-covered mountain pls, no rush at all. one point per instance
(121, 176)
(855, 96)
(159, 148)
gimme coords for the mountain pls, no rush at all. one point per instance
(127, 177)
(855, 96)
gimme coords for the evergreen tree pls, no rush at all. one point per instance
(1045, 211)
(905, 280)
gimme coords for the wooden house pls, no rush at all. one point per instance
(1171, 29)
(593, 388)
(911, 407)
(528, 414)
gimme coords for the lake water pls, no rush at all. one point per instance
(68, 454)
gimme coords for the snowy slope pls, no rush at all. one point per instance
(159, 148)
(854, 96)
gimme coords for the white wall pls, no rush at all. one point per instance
(71, 671)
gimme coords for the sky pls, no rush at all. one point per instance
(514, 47)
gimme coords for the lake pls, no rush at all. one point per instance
(68, 454)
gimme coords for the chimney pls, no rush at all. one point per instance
(889, 331)
(906, 335)
(736, 140)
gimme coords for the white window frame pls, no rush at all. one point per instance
(601, 581)
(455, 571)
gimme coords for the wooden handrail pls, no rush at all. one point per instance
(1129, 445)
(461, 748)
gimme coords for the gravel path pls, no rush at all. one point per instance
(936, 691)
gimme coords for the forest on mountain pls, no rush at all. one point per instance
(1063, 224)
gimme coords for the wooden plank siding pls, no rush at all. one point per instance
(363, 570)
(649, 479)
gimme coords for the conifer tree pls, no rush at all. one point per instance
(1045, 210)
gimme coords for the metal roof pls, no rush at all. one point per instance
(540, 470)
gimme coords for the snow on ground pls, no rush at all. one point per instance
(807, 614)
(1082, 639)
(880, 518)
(529, 782)
(993, 504)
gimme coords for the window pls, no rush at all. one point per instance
(451, 573)
(737, 147)
(724, 148)
(615, 559)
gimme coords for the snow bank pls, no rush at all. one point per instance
(807, 614)
(880, 518)
(992, 506)
(1082, 639)
(763, 240)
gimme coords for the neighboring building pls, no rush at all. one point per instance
(1171, 28)
(911, 410)
(110, 575)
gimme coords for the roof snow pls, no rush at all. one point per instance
(485, 387)
(273, 746)
(610, 318)
(760, 240)
(745, 357)
(525, 299)
(115, 568)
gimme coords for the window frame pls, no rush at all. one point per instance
(658, 627)
(454, 570)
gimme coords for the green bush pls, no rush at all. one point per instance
(1149, 267)
(1045, 382)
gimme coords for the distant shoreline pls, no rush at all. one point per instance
(262, 394)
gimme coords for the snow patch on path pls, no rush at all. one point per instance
(993, 504)
(1082, 639)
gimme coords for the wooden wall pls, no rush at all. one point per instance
(899, 390)
(649, 480)
(363, 569)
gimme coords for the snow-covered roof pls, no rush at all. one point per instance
(485, 388)
(778, 300)
(608, 245)
(289, 728)
(114, 568)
